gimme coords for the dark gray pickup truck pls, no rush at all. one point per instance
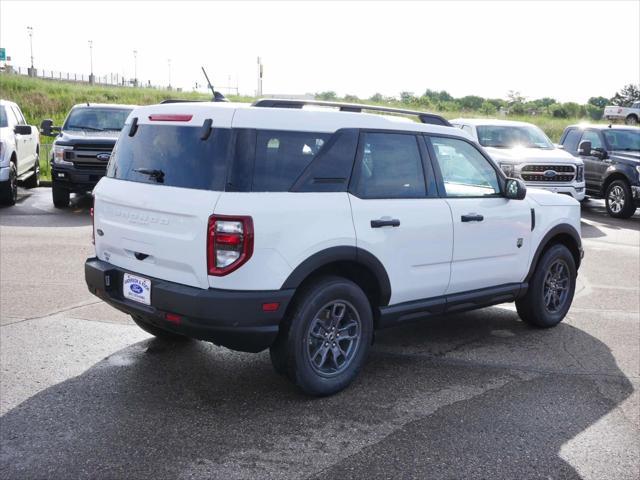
(82, 147)
(611, 156)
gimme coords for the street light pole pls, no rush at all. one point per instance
(91, 77)
(135, 68)
(30, 30)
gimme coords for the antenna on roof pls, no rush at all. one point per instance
(217, 96)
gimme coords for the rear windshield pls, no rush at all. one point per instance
(96, 119)
(172, 156)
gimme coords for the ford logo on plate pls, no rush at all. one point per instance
(103, 156)
(550, 173)
(135, 288)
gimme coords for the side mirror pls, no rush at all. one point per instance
(22, 129)
(515, 189)
(584, 148)
(47, 128)
(601, 152)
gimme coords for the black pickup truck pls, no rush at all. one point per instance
(611, 156)
(82, 147)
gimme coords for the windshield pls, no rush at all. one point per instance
(3, 118)
(512, 136)
(626, 140)
(96, 119)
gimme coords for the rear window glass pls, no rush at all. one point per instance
(172, 156)
(282, 156)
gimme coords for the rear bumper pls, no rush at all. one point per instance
(75, 180)
(231, 318)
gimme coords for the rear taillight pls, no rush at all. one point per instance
(170, 117)
(229, 243)
(93, 227)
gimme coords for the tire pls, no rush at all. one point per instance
(158, 332)
(308, 348)
(60, 196)
(631, 120)
(9, 188)
(551, 289)
(619, 200)
(34, 180)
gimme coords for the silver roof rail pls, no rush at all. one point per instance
(424, 117)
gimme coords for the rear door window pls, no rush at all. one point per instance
(174, 156)
(281, 156)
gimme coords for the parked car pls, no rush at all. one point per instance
(523, 151)
(611, 155)
(82, 147)
(19, 152)
(304, 230)
(630, 115)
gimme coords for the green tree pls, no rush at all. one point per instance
(407, 97)
(600, 102)
(471, 102)
(351, 98)
(594, 112)
(376, 97)
(328, 95)
(488, 108)
(627, 95)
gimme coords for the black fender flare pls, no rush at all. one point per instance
(561, 229)
(337, 254)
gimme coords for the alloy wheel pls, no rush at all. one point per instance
(556, 286)
(616, 199)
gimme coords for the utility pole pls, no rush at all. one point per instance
(91, 77)
(259, 92)
(169, 62)
(135, 68)
(31, 71)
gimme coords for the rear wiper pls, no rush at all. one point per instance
(157, 175)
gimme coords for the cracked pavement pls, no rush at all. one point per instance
(85, 394)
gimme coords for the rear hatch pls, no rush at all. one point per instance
(164, 178)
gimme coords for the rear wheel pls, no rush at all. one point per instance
(60, 195)
(9, 188)
(325, 341)
(158, 332)
(551, 289)
(619, 200)
(631, 120)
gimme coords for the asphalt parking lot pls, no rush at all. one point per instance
(85, 394)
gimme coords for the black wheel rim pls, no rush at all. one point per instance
(556, 286)
(333, 338)
(616, 199)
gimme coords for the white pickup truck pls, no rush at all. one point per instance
(19, 153)
(630, 115)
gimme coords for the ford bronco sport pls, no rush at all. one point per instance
(303, 230)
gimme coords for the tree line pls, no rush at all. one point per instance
(514, 104)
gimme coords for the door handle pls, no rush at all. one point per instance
(472, 217)
(392, 222)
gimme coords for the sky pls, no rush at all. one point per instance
(569, 50)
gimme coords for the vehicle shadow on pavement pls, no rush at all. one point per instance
(477, 395)
(34, 208)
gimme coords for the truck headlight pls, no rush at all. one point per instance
(508, 169)
(580, 173)
(58, 154)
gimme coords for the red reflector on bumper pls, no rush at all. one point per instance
(270, 307)
(173, 318)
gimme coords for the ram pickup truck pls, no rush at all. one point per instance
(611, 156)
(82, 148)
(523, 151)
(630, 115)
(19, 153)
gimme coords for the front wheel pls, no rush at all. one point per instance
(618, 200)
(9, 188)
(61, 196)
(324, 342)
(551, 289)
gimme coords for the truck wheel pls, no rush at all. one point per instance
(158, 332)
(618, 200)
(60, 196)
(34, 180)
(631, 120)
(325, 340)
(9, 188)
(551, 289)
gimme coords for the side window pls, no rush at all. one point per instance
(281, 156)
(572, 139)
(11, 114)
(389, 166)
(465, 172)
(19, 116)
(593, 137)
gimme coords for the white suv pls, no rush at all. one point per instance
(523, 151)
(303, 230)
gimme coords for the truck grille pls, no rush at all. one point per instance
(548, 173)
(85, 157)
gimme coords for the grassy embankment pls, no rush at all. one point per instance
(40, 99)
